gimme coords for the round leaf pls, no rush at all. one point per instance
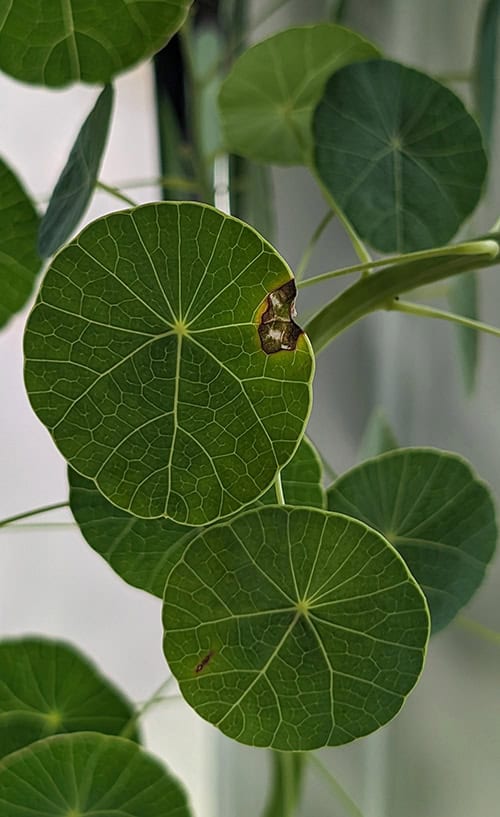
(399, 153)
(294, 628)
(431, 506)
(145, 360)
(88, 774)
(19, 261)
(142, 551)
(267, 100)
(47, 687)
(57, 43)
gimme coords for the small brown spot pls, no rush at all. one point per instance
(204, 661)
(278, 331)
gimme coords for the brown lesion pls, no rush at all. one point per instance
(204, 661)
(278, 331)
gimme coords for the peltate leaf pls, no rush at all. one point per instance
(435, 511)
(267, 100)
(142, 551)
(19, 261)
(162, 357)
(76, 184)
(47, 687)
(294, 628)
(399, 154)
(55, 44)
(87, 774)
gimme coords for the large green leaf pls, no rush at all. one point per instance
(77, 181)
(162, 357)
(19, 261)
(435, 511)
(294, 628)
(399, 154)
(87, 774)
(267, 100)
(47, 687)
(55, 43)
(486, 67)
(141, 550)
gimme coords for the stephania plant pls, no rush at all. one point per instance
(165, 358)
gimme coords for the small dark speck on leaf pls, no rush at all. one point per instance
(204, 661)
(278, 331)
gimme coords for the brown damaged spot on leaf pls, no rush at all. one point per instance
(204, 661)
(278, 331)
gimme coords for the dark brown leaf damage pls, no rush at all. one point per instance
(277, 331)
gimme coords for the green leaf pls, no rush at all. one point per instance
(399, 154)
(435, 511)
(378, 436)
(146, 361)
(55, 44)
(267, 100)
(286, 784)
(76, 183)
(47, 687)
(463, 300)
(19, 261)
(88, 774)
(294, 628)
(486, 67)
(141, 550)
(376, 291)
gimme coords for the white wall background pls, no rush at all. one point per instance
(440, 757)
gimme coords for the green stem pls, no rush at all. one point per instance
(430, 312)
(341, 794)
(467, 248)
(45, 509)
(278, 487)
(34, 526)
(358, 246)
(155, 698)
(490, 636)
(455, 76)
(114, 191)
(202, 176)
(175, 182)
(306, 255)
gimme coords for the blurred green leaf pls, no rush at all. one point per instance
(88, 774)
(54, 44)
(463, 300)
(76, 183)
(267, 100)
(432, 507)
(399, 154)
(294, 628)
(141, 550)
(378, 436)
(47, 687)
(19, 260)
(486, 67)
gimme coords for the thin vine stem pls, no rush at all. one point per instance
(114, 191)
(341, 794)
(175, 182)
(156, 697)
(422, 311)
(479, 630)
(357, 245)
(466, 248)
(35, 512)
(311, 246)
